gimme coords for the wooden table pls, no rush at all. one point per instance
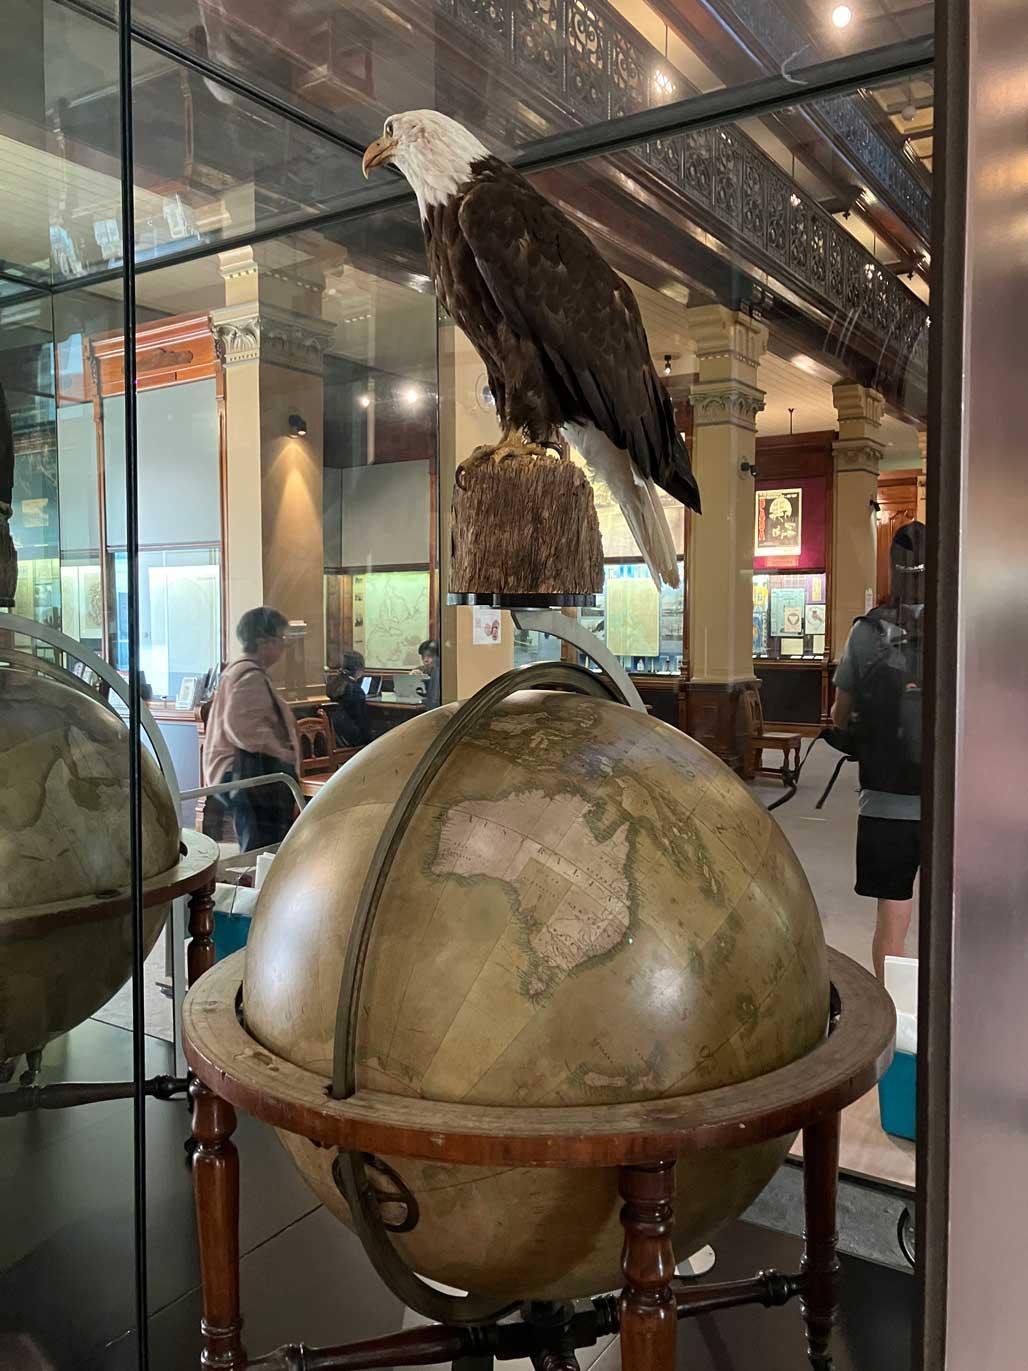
(642, 1140)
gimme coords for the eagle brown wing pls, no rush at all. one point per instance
(555, 291)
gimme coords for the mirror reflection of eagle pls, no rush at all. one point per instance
(558, 330)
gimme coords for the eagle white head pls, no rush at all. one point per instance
(433, 151)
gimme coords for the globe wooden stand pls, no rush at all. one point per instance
(643, 1140)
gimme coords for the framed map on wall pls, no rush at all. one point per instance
(390, 617)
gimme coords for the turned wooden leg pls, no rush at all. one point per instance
(649, 1314)
(216, 1190)
(820, 1265)
(200, 953)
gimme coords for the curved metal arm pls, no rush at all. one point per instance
(14, 623)
(272, 778)
(350, 1168)
(569, 630)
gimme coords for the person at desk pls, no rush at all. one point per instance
(429, 654)
(350, 718)
(251, 732)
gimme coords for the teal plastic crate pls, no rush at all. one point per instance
(897, 1097)
(230, 933)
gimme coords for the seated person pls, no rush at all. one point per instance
(350, 718)
(429, 654)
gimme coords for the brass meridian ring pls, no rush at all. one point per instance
(350, 1169)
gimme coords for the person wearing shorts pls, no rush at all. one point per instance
(889, 823)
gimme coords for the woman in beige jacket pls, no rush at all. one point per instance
(251, 732)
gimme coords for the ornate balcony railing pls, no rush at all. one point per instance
(785, 42)
(585, 58)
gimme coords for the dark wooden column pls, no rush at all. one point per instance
(216, 1191)
(820, 1265)
(200, 953)
(648, 1312)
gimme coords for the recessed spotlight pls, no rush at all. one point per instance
(364, 401)
(841, 16)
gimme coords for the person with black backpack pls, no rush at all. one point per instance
(878, 687)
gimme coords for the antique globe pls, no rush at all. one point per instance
(65, 940)
(586, 907)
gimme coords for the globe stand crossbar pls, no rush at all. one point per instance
(549, 1335)
(642, 1140)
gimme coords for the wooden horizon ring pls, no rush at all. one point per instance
(197, 864)
(842, 1068)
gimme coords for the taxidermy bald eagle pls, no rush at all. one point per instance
(559, 332)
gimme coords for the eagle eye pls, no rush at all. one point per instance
(389, 128)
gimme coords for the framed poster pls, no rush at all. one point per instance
(760, 633)
(792, 647)
(785, 598)
(779, 523)
(815, 619)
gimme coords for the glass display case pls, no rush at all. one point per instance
(276, 428)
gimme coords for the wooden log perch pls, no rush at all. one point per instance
(525, 525)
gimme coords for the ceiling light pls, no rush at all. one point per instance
(364, 401)
(841, 16)
(908, 113)
(814, 368)
(412, 395)
(667, 364)
(663, 83)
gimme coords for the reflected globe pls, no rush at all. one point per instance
(64, 845)
(586, 908)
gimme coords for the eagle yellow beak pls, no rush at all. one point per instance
(376, 154)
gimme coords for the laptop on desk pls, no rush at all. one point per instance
(409, 690)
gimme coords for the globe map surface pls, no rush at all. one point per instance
(64, 839)
(587, 908)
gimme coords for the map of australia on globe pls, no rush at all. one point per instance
(586, 908)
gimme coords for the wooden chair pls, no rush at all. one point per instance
(316, 745)
(759, 741)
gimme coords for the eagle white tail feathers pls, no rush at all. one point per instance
(639, 500)
(645, 516)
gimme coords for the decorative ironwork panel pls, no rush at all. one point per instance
(726, 176)
(697, 175)
(628, 77)
(777, 216)
(799, 234)
(818, 259)
(588, 84)
(490, 19)
(856, 261)
(538, 42)
(753, 217)
(836, 267)
(665, 156)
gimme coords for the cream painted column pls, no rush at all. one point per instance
(857, 458)
(273, 339)
(719, 593)
(236, 330)
(465, 421)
